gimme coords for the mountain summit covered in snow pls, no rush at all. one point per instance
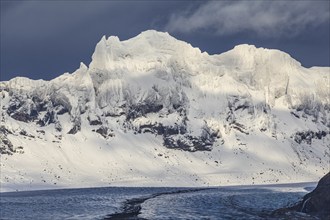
(153, 110)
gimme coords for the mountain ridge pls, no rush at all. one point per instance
(161, 95)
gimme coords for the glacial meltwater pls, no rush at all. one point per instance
(239, 202)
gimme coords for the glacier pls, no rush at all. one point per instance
(155, 111)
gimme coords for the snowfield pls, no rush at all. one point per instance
(154, 111)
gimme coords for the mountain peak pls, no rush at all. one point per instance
(83, 66)
(154, 38)
(144, 48)
(153, 33)
(250, 56)
(244, 47)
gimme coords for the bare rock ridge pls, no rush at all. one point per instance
(315, 203)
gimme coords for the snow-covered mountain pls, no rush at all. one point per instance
(153, 110)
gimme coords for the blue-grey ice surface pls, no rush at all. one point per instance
(157, 203)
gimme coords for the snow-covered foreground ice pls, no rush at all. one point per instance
(248, 202)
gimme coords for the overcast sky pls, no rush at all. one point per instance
(43, 39)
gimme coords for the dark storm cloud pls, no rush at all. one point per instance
(264, 18)
(40, 19)
(42, 39)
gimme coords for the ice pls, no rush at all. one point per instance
(239, 202)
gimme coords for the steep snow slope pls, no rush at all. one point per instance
(154, 111)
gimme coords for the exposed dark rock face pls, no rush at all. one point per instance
(76, 126)
(315, 203)
(49, 118)
(58, 126)
(318, 201)
(6, 147)
(307, 136)
(24, 133)
(60, 109)
(160, 129)
(4, 130)
(204, 142)
(74, 129)
(188, 143)
(240, 127)
(23, 111)
(139, 110)
(102, 131)
(176, 137)
(27, 109)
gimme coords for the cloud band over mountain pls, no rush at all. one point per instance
(264, 18)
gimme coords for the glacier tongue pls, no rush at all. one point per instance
(153, 110)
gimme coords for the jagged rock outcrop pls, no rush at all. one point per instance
(315, 203)
(6, 147)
